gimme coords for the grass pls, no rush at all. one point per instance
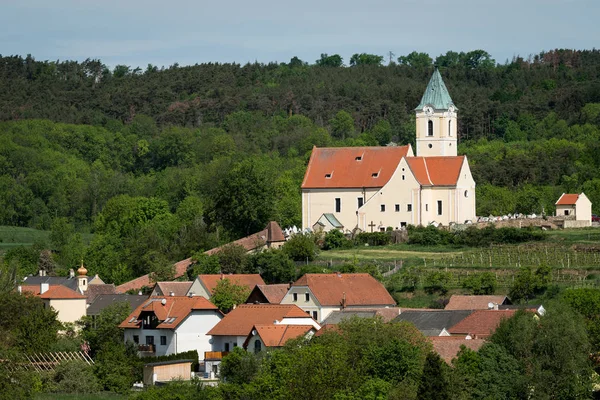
(95, 396)
(12, 236)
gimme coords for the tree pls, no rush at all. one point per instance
(433, 384)
(587, 303)
(117, 367)
(481, 284)
(365, 59)
(204, 264)
(103, 330)
(335, 239)
(342, 126)
(528, 283)
(232, 259)
(227, 295)
(330, 61)
(415, 60)
(273, 265)
(239, 366)
(301, 247)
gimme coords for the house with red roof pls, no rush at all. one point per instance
(476, 302)
(164, 325)
(204, 285)
(481, 323)
(171, 288)
(235, 328)
(268, 294)
(321, 294)
(70, 304)
(266, 337)
(373, 188)
(576, 207)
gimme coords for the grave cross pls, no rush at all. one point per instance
(372, 225)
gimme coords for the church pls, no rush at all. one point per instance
(374, 188)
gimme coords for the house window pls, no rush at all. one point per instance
(315, 315)
(163, 340)
(397, 207)
(409, 207)
(257, 346)
(402, 224)
(295, 296)
(306, 297)
(149, 339)
(361, 201)
(439, 204)
(234, 345)
(430, 128)
(382, 208)
(226, 346)
(566, 212)
(449, 128)
(338, 204)
(136, 339)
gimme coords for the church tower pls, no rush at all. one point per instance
(436, 120)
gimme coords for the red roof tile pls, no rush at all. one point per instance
(177, 288)
(30, 289)
(94, 291)
(177, 307)
(567, 199)
(464, 302)
(357, 289)
(482, 323)
(436, 171)
(239, 321)
(144, 280)
(344, 169)
(59, 292)
(278, 335)
(449, 346)
(249, 280)
(273, 293)
(271, 234)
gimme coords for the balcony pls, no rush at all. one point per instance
(146, 348)
(215, 355)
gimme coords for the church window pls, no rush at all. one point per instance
(466, 193)
(430, 145)
(426, 207)
(361, 201)
(449, 128)
(397, 207)
(409, 207)
(430, 128)
(383, 208)
(403, 177)
(439, 207)
(338, 204)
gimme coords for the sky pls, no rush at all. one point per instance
(162, 33)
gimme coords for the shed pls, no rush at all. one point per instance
(166, 371)
(576, 206)
(327, 222)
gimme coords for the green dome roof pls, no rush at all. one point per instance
(436, 94)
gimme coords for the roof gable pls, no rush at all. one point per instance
(346, 289)
(278, 335)
(239, 321)
(170, 310)
(479, 302)
(273, 294)
(481, 323)
(436, 171)
(177, 288)
(436, 94)
(210, 281)
(352, 167)
(567, 199)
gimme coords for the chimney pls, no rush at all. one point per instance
(44, 287)
(495, 306)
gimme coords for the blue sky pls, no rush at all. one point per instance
(136, 33)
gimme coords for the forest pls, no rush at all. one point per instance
(160, 163)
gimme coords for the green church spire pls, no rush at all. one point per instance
(436, 94)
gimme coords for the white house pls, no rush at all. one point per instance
(233, 330)
(320, 294)
(205, 284)
(373, 188)
(577, 205)
(171, 324)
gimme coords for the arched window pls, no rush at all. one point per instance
(449, 128)
(257, 346)
(430, 128)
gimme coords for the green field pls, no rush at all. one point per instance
(11, 236)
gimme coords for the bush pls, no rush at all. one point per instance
(484, 283)
(335, 239)
(436, 282)
(301, 247)
(373, 238)
(74, 377)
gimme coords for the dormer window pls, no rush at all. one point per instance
(328, 176)
(358, 158)
(375, 175)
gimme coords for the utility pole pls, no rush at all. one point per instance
(391, 55)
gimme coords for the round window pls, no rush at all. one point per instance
(430, 145)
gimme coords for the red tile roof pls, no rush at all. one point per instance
(248, 280)
(567, 199)
(271, 234)
(239, 321)
(144, 280)
(436, 171)
(177, 288)
(449, 346)
(30, 289)
(59, 292)
(464, 302)
(176, 307)
(95, 290)
(278, 335)
(482, 323)
(272, 293)
(344, 169)
(353, 289)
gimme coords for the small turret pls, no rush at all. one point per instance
(82, 279)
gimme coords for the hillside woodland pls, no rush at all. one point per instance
(160, 163)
